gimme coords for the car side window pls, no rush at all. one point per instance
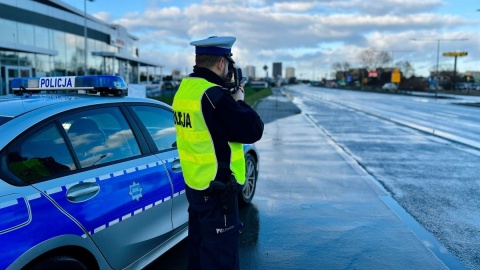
(43, 154)
(159, 123)
(99, 136)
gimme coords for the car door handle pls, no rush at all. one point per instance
(176, 166)
(82, 192)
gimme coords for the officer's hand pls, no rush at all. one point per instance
(240, 94)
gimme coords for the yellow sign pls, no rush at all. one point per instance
(396, 76)
(455, 54)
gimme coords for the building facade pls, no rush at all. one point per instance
(277, 70)
(40, 38)
(289, 72)
(474, 74)
(250, 72)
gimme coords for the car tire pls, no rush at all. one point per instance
(59, 263)
(248, 189)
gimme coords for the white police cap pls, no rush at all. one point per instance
(214, 45)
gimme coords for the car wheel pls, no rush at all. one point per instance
(59, 263)
(248, 189)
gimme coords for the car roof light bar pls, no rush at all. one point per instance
(104, 84)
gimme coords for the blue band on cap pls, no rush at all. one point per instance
(212, 50)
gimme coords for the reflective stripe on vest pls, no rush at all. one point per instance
(194, 141)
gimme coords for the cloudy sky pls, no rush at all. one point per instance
(307, 35)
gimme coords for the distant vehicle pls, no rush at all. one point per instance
(389, 87)
(332, 84)
(91, 178)
(168, 85)
(153, 90)
(461, 87)
(315, 83)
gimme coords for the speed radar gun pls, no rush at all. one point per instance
(234, 78)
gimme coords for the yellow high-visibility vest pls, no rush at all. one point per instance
(194, 141)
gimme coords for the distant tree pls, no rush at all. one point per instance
(341, 68)
(406, 68)
(414, 84)
(374, 59)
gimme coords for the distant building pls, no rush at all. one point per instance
(289, 72)
(250, 72)
(277, 70)
(474, 74)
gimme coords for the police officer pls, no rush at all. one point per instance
(212, 125)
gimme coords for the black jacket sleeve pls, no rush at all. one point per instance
(234, 121)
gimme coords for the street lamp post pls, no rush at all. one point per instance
(85, 37)
(438, 54)
(438, 57)
(438, 47)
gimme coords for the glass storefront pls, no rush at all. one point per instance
(69, 60)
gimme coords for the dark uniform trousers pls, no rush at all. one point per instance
(213, 237)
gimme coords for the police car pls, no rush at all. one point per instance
(90, 181)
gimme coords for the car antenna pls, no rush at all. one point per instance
(21, 91)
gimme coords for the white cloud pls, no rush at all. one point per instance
(384, 6)
(104, 16)
(294, 6)
(303, 34)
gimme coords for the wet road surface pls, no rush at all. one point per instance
(318, 211)
(419, 149)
